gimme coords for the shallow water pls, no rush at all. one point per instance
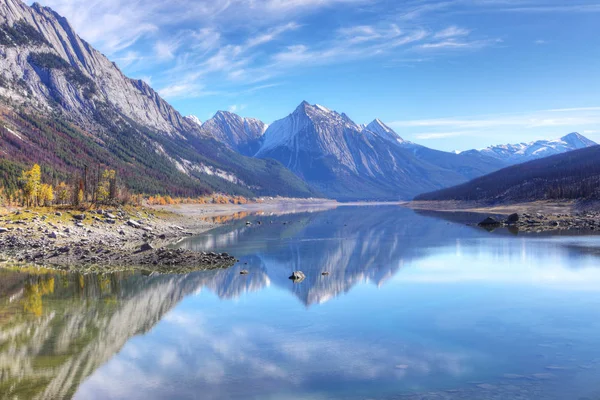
(414, 307)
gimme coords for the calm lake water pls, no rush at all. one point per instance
(415, 306)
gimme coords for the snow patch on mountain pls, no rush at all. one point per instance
(194, 120)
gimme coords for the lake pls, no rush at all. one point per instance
(415, 306)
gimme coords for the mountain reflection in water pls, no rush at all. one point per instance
(416, 333)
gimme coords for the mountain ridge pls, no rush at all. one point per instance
(238, 133)
(348, 161)
(527, 151)
(74, 93)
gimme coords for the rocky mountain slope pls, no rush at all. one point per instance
(61, 101)
(239, 134)
(347, 161)
(519, 153)
(571, 175)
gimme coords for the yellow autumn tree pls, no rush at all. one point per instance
(46, 195)
(106, 186)
(31, 181)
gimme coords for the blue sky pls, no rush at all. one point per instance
(446, 74)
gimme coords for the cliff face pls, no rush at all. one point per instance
(45, 64)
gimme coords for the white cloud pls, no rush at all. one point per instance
(165, 50)
(452, 32)
(236, 108)
(449, 44)
(271, 35)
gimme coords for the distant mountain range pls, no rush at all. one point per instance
(523, 152)
(347, 161)
(65, 105)
(571, 175)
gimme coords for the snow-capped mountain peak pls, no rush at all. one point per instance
(523, 152)
(194, 120)
(381, 129)
(344, 160)
(577, 140)
(240, 134)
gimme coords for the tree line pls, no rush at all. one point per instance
(100, 187)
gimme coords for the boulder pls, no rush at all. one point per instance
(58, 214)
(512, 218)
(146, 247)
(79, 217)
(297, 276)
(133, 224)
(489, 221)
(53, 235)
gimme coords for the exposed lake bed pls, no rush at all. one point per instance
(414, 306)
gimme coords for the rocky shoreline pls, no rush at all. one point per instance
(104, 240)
(588, 221)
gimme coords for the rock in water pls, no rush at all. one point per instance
(298, 276)
(244, 272)
(512, 218)
(489, 221)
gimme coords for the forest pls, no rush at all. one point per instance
(568, 176)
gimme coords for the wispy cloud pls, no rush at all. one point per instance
(451, 32)
(442, 135)
(543, 118)
(541, 124)
(191, 48)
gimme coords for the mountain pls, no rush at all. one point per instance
(518, 153)
(571, 175)
(192, 119)
(347, 161)
(384, 131)
(65, 105)
(239, 134)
